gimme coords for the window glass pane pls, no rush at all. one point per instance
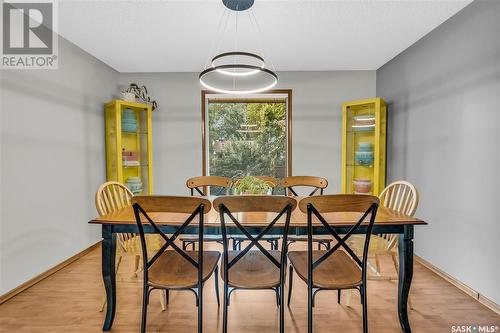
(247, 139)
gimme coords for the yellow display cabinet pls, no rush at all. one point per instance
(129, 155)
(364, 129)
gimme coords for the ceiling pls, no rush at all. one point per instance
(295, 35)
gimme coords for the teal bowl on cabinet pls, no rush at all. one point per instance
(365, 146)
(129, 127)
(129, 121)
(364, 157)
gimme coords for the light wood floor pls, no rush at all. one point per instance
(68, 301)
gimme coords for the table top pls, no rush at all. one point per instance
(385, 216)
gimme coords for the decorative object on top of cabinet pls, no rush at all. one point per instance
(129, 157)
(140, 94)
(364, 146)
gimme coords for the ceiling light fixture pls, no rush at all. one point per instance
(237, 72)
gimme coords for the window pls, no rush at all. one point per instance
(247, 135)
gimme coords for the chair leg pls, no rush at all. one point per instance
(282, 306)
(145, 301)
(224, 313)
(309, 307)
(377, 263)
(339, 293)
(216, 277)
(290, 283)
(184, 245)
(277, 291)
(365, 308)
(163, 296)
(348, 297)
(136, 265)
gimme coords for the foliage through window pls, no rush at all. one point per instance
(247, 139)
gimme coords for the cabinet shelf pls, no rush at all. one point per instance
(136, 166)
(134, 146)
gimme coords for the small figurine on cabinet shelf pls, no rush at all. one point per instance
(134, 93)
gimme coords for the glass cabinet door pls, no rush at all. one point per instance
(363, 147)
(129, 157)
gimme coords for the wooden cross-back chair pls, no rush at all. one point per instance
(317, 184)
(177, 269)
(200, 185)
(258, 269)
(334, 269)
(272, 240)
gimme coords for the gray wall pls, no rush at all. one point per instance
(52, 161)
(316, 128)
(444, 97)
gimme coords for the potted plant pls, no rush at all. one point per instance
(251, 185)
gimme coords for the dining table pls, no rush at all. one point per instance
(387, 221)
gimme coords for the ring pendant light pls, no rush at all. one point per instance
(238, 72)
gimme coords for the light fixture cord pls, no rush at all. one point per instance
(235, 49)
(255, 22)
(217, 41)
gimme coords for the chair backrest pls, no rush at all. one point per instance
(196, 207)
(367, 205)
(317, 183)
(112, 196)
(401, 196)
(228, 205)
(198, 183)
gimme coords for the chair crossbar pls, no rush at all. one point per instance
(169, 241)
(200, 192)
(310, 194)
(254, 241)
(341, 241)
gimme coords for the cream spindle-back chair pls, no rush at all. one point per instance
(110, 197)
(402, 197)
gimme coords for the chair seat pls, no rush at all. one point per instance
(377, 244)
(304, 239)
(254, 270)
(172, 271)
(206, 238)
(338, 271)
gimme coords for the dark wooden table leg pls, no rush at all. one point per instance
(405, 275)
(108, 274)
